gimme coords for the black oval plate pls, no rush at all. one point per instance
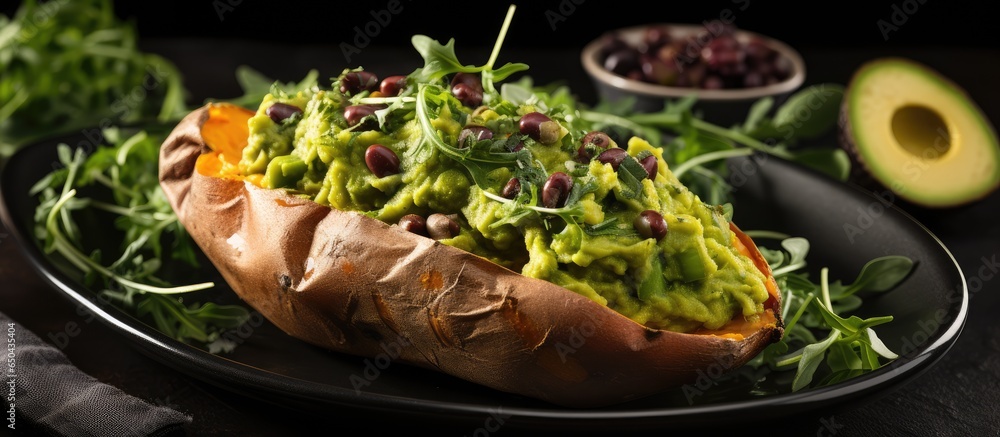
(845, 225)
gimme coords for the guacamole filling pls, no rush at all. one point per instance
(529, 186)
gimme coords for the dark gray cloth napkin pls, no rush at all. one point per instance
(52, 394)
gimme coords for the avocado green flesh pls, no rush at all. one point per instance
(920, 135)
(691, 279)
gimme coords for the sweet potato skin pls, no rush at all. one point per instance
(351, 283)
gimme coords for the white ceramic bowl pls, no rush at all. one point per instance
(721, 106)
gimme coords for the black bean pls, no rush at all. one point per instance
(540, 127)
(470, 79)
(556, 190)
(392, 85)
(473, 133)
(650, 224)
(468, 89)
(355, 113)
(593, 141)
(512, 189)
(381, 160)
(613, 156)
(280, 112)
(358, 81)
(413, 223)
(651, 165)
(440, 226)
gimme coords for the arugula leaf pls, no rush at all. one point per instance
(440, 60)
(809, 361)
(851, 346)
(879, 275)
(255, 86)
(877, 346)
(758, 112)
(797, 249)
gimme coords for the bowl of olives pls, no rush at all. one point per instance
(725, 68)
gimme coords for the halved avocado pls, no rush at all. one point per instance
(919, 134)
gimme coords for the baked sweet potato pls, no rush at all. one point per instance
(351, 283)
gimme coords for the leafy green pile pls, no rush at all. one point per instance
(122, 181)
(69, 65)
(814, 327)
(66, 65)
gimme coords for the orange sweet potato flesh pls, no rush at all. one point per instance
(351, 283)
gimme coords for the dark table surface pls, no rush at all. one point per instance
(959, 395)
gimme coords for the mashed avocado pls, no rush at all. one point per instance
(616, 227)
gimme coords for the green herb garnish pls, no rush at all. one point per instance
(123, 182)
(69, 65)
(814, 328)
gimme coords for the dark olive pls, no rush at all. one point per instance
(358, 81)
(593, 141)
(473, 133)
(355, 113)
(654, 38)
(758, 51)
(651, 165)
(622, 61)
(613, 156)
(440, 226)
(280, 112)
(518, 146)
(650, 224)
(540, 127)
(468, 89)
(392, 85)
(782, 68)
(556, 190)
(512, 189)
(381, 160)
(654, 70)
(413, 223)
